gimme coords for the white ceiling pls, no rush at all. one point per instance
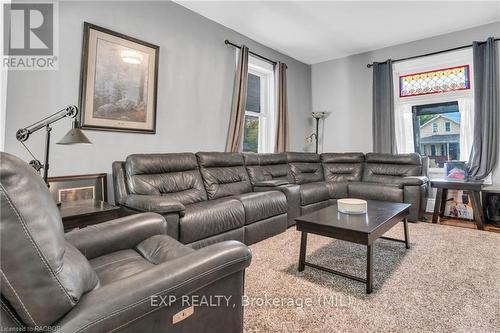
(317, 31)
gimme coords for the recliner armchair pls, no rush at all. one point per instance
(124, 275)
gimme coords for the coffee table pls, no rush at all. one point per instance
(361, 229)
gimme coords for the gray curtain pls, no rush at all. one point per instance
(237, 119)
(384, 132)
(282, 107)
(484, 154)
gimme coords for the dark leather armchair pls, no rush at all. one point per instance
(124, 275)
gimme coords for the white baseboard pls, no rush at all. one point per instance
(430, 205)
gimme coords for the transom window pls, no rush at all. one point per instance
(258, 134)
(435, 81)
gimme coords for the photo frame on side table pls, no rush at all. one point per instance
(79, 187)
(119, 82)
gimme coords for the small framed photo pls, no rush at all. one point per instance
(456, 170)
(79, 187)
(118, 82)
(458, 205)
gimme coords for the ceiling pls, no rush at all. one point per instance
(313, 32)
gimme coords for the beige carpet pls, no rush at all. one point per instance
(449, 281)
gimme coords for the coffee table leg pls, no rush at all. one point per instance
(302, 255)
(369, 269)
(407, 235)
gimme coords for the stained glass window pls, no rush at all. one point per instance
(436, 81)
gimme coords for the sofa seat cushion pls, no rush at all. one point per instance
(313, 192)
(262, 205)
(375, 191)
(209, 218)
(119, 265)
(337, 190)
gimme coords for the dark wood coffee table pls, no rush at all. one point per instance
(361, 229)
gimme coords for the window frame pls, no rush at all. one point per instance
(267, 115)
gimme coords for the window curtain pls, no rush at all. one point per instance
(383, 123)
(466, 108)
(282, 140)
(403, 119)
(484, 155)
(237, 119)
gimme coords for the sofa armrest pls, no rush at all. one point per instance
(271, 183)
(115, 235)
(119, 304)
(292, 193)
(412, 181)
(154, 203)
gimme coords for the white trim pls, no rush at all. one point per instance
(267, 114)
(3, 87)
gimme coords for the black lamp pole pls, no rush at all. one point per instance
(317, 132)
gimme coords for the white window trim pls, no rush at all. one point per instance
(267, 114)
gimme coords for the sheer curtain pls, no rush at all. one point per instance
(403, 121)
(466, 108)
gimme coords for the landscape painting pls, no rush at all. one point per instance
(119, 82)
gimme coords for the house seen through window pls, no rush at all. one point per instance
(437, 132)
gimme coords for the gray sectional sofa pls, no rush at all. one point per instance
(210, 197)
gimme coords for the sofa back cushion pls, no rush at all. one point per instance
(42, 276)
(342, 167)
(390, 168)
(261, 167)
(175, 176)
(304, 167)
(223, 174)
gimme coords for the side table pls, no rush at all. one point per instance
(81, 213)
(473, 187)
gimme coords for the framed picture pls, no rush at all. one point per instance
(118, 82)
(455, 170)
(80, 187)
(458, 205)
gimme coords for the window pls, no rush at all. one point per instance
(436, 81)
(258, 134)
(429, 120)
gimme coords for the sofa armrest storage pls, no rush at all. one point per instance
(271, 183)
(413, 181)
(115, 235)
(154, 203)
(292, 193)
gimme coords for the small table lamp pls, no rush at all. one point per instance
(74, 136)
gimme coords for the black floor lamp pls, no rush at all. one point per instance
(318, 116)
(74, 136)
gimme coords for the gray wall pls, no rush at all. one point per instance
(344, 88)
(195, 85)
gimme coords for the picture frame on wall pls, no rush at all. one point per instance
(79, 187)
(119, 82)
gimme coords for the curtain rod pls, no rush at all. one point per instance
(433, 53)
(252, 53)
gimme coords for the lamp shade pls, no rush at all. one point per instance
(74, 136)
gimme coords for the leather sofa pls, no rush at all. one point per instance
(205, 198)
(124, 275)
(211, 197)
